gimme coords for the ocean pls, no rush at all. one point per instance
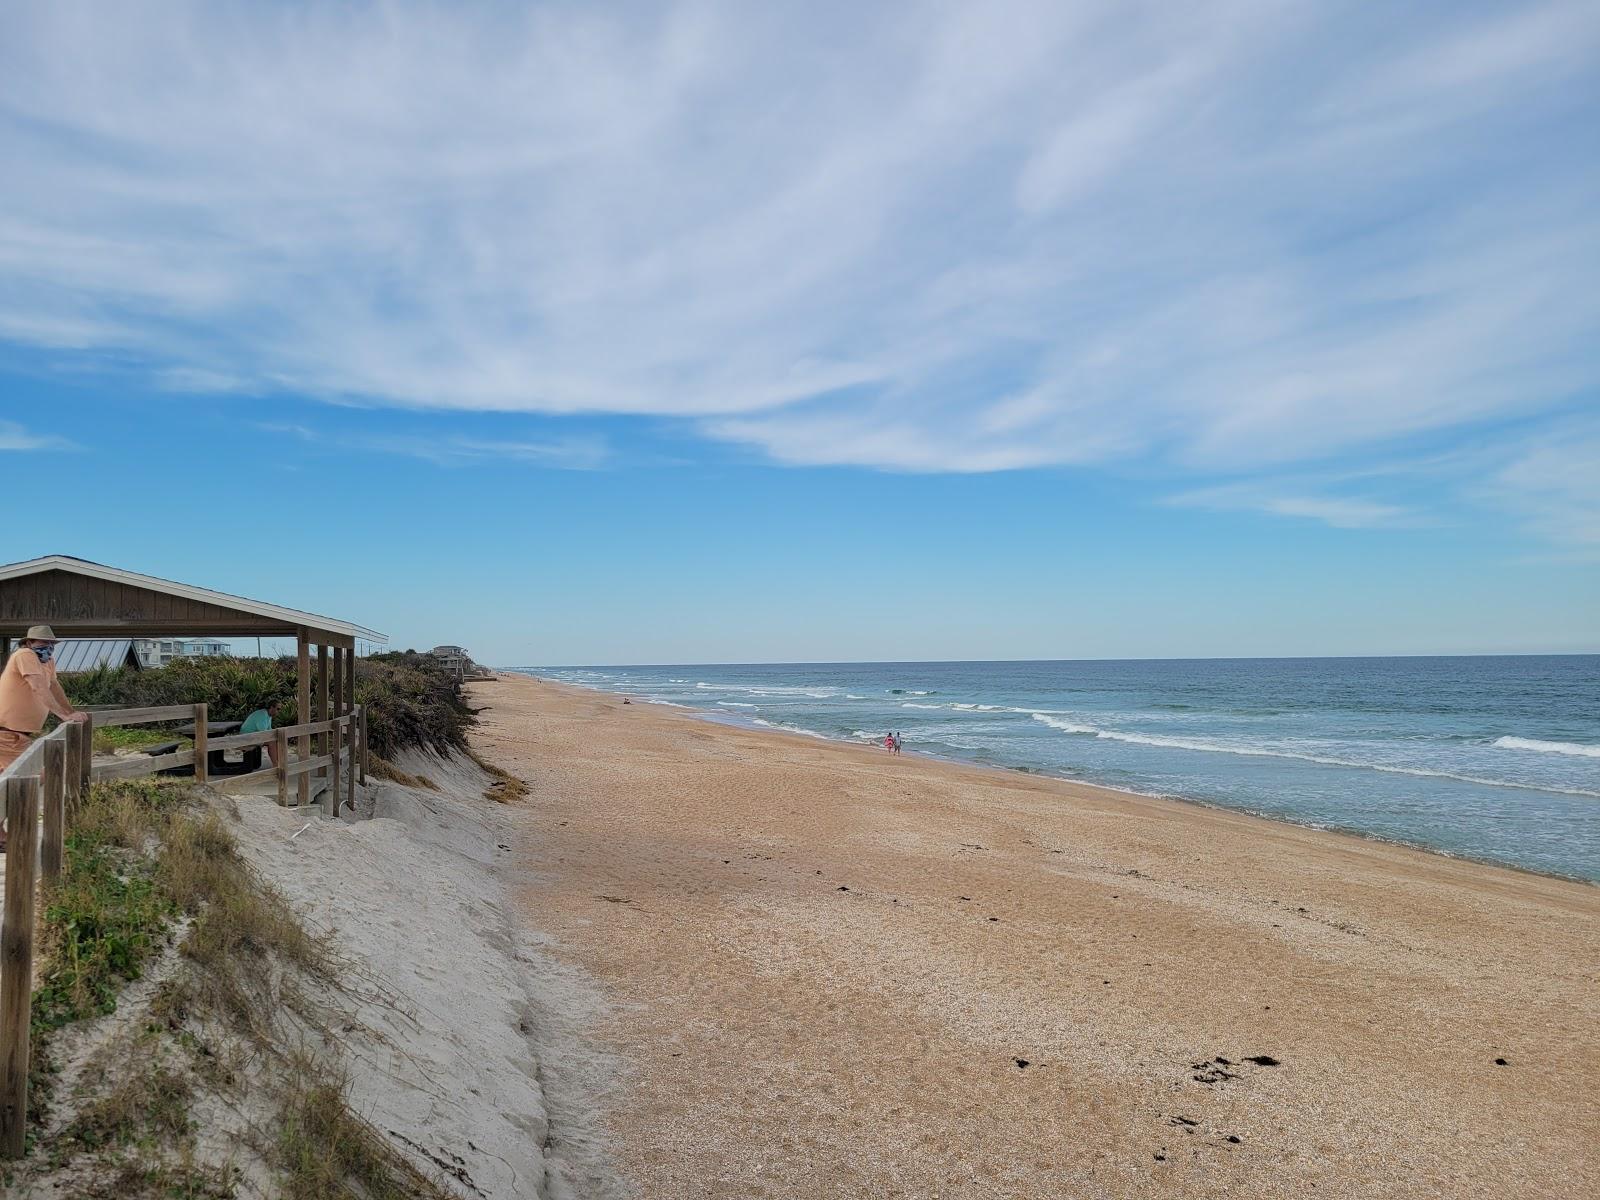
(1491, 758)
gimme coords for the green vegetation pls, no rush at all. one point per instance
(105, 917)
(119, 737)
(411, 701)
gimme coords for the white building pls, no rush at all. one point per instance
(158, 652)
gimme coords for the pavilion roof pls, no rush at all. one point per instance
(79, 598)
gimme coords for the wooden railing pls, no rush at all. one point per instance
(53, 773)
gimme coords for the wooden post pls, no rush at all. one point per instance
(361, 749)
(16, 949)
(77, 744)
(330, 803)
(201, 733)
(338, 681)
(86, 755)
(321, 743)
(303, 705)
(282, 747)
(53, 795)
(352, 730)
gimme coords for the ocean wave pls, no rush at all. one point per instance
(983, 708)
(770, 690)
(1181, 743)
(734, 704)
(790, 728)
(1576, 749)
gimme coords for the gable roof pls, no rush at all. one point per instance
(239, 604)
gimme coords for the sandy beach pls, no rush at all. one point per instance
(829, 972)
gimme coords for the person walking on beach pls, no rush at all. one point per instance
(888, 742)
(29, 693)
(895, 741)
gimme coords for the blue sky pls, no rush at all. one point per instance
(701, 331)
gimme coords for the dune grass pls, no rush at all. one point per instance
(505, 787)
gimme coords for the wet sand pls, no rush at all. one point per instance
(833, 973)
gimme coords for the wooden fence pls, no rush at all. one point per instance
(52, 775)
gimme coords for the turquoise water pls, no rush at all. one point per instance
(1489, 758)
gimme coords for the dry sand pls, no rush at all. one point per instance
(826, 969)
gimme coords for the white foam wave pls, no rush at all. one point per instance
(790, 728)
(913, 704)
(1181, 743)
(1576, 749)
(734, 704)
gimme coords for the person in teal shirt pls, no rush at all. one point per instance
(259, 722)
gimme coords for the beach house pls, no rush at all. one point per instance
(455, 659)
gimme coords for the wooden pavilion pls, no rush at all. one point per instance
(82, 599)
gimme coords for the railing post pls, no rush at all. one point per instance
(319, 744)
(16, 949)
(86, 734)
(352, 727)
(282, 756)
(53, 795)
(362, 710)
(201, 733)
(77, 746)
(330, 803)
(303, 705)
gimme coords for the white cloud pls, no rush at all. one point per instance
(954, 237)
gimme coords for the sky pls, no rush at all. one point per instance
(710, 332)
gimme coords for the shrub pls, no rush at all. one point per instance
(411, 701)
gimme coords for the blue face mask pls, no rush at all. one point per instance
(43, 652)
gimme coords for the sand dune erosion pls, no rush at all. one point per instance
(836, 974)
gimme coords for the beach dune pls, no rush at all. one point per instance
(833, 973)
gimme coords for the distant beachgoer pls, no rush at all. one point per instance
(29, 693)
(888, 742)
(897, 742)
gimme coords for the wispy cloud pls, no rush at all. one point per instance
(564, 453)
(1553, 484)
(1222, 238)
(16, 437)
(1343, 512)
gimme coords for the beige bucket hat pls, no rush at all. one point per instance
(41, 633)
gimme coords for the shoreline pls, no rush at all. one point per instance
(756, 726)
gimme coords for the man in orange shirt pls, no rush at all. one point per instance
(30, 692)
